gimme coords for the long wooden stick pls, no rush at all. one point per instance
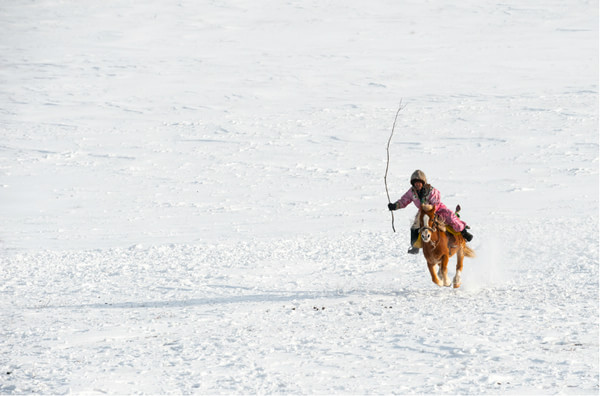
(387, 166)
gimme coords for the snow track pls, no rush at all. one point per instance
(311, 315)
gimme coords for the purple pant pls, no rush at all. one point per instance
(450, 218)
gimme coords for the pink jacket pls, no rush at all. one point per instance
(432, 198)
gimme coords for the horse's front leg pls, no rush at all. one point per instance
(459, 266)
(433, 271)
(444, 271)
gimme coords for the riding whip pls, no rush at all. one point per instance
(387, 166)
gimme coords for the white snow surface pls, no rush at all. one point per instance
(192, 197)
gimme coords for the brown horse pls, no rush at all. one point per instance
(439, 244)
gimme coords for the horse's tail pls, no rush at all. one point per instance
(468, 251)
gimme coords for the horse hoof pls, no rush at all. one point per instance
(456, 285)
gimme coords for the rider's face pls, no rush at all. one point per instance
(418, 185)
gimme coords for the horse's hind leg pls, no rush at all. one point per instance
(460, 255)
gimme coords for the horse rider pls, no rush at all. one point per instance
(422, 193)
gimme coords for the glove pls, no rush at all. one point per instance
(392, 206)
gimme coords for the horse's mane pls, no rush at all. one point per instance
(440, 222)
(437, 219)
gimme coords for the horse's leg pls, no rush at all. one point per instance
(444, 270)
(460, 255)
(433, 271)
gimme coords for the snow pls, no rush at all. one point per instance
(192, 196)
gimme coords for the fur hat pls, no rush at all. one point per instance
(418, 175)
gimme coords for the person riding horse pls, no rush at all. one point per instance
(422, 193)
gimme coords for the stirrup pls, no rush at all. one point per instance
(413, 250)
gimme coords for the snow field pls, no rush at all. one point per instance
(296, 316)
(192, 198)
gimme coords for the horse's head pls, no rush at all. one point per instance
(427, 220)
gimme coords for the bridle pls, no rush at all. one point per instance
(427, 228)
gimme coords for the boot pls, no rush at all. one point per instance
(414, 235)
(466, 235)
